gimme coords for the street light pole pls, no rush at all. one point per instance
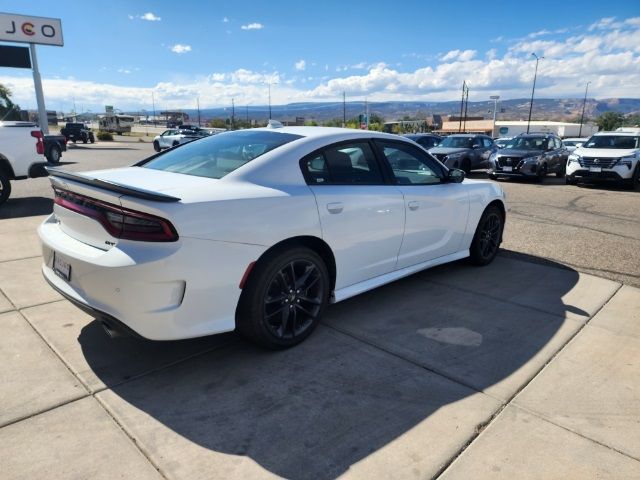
(495, 99)
(535, 75)
(270, 82)
(584, 104)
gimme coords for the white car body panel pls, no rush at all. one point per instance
(191, 287)
(18, 147)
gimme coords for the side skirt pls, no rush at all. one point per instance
(358, 288)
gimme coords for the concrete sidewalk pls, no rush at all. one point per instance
(516, 370)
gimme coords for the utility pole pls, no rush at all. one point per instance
(153, 102)
(344, 109)
(233, 113)
(366, 113)
(464, 87)
(466, 104)
(495, 99)
(198, 100)
(247, 107)
(584, 104)
(535, 75)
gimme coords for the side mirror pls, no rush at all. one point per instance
(456, 175)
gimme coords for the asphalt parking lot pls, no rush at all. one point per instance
(527, 368)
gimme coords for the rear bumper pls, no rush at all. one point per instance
(171, 291)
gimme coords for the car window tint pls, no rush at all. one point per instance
(410, 166)
(487, 142)
(216, 156)
(352, 164)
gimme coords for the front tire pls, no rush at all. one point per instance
(466, 166)
(156, 146)
(5, 187)
(634, 184)
(486, 241)
(284, 298)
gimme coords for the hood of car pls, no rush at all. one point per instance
(447, 151)
(605, 152)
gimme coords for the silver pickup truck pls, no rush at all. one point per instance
(22, 151)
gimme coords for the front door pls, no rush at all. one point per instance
(362, 219)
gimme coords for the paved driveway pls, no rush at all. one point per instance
(516, 370)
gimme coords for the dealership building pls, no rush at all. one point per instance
(511, 128)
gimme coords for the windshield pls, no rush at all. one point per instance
(613, 141)
(216, 156)
(457, 142)
(571, 143)
(527, 143)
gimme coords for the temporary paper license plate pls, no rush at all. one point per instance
(62, 268)
(595, 169)
(507, 169)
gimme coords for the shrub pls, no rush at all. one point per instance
(105, 136)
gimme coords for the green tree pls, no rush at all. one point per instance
(609, 121)
(8, 110)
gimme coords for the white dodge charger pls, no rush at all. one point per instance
(259, 230)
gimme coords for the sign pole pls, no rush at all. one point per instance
(42, 111)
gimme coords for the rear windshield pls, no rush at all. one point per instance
(613, 141)
(527, 143)
(457, 142)
(216, 156)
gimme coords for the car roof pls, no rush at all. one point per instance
(329, 132)
(618, 134)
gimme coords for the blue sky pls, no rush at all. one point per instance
(119, 53)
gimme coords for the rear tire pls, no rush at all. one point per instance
(5, 187)
(54, 154)
(283, 299)
(486, 241)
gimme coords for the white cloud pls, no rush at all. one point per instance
(252, 26)
(459, 55)
(609, 58)
(124, 70)
(225, 20)
(150, 17)
(300, 65)
(180, 48)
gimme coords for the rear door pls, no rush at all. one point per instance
(436, 210)
(362, 218)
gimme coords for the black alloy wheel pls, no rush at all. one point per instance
(284, 297)
(488, 236)
(293, 299)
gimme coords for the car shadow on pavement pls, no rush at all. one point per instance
(26, 207)
(389, 379)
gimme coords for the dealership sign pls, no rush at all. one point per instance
(23, 29)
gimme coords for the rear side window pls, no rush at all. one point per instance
(219, 155)
(344, 164)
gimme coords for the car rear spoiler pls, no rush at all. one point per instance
(112, 186)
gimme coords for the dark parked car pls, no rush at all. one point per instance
(531, 155)
(465, 151)
(54, 145)
(426, 140)
(77, 131)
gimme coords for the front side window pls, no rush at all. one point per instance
(457, 142)
(410, 166)
(219, 155)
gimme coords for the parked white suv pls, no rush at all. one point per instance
(609, 156)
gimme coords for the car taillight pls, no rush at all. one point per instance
(119, 222)
(40, 143)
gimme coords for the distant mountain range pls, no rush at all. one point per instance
(558, 109)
